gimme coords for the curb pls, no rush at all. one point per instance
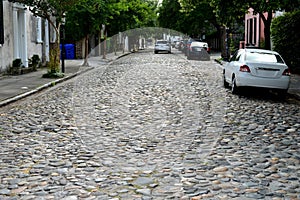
(50, 84)
(38, 89)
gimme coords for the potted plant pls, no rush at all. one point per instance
(34, 62)
(16, 66)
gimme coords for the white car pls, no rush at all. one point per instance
(200, 44)
(256, 68)
(162, 45)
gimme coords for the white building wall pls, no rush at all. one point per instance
(6, 50)
(10, 50)
(34, 46)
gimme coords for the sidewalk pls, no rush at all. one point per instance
(17, 87)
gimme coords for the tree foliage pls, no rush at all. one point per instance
(286, 38)
(170, 15)
(129, 14)
(85, 18)
(230, 12)
(190, 17)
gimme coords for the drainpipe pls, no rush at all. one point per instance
(24, 37)
(16, 33)
(47, 41)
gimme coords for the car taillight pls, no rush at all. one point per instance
(244, 68)
(286, 72)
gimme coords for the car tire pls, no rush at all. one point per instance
(234, 88)
(226, 84)
(155, 52)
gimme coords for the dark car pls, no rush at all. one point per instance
(182, 45)
(198, 50)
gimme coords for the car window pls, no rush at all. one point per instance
(161, 42)
(233, 58)
(238, 56)
(263, 57)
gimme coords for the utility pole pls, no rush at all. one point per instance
(63, 50)
(104, 42)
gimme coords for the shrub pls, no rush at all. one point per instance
(286, 38)
(34, 62)
(16, 67)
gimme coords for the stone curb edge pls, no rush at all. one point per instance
(296, 96)
(47, 85)
(38, 89)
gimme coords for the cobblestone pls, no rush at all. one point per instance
(150, 127)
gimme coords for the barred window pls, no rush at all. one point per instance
(39, 30)
(36, 30)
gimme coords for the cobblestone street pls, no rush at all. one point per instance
(150, 126)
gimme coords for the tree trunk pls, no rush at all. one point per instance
(86, 51)
(222, 32)
(54, 63)
(267, 29)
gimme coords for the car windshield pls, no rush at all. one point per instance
(161, 42)
(263, 57)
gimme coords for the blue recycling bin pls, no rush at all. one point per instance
(69, 51)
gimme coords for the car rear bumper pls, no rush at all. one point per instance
(162, 49)
(245, 79)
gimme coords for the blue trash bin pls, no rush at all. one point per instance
(69, 51)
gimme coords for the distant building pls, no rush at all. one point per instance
(254, 28)
(22, 35)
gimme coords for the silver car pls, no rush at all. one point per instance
(162, 45)
(257, 68)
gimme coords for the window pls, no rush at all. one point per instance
(36, 33)
(233, 58)
(263, 57)
(39, 30)
(255, 30)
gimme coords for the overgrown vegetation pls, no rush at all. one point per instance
(286, 38)
(53, 69)
(14, 68)
(34, 62)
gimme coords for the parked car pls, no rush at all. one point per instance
(177, 44)
(162, 45)
(198, 50)
(257, 68)
(200, 43)
(182, 45)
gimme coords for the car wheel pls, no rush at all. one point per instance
(234, 88)
(226, 84)
(155, 52)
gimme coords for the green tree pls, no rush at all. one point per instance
(84, 19)
(190, 17)
(228, 11)
(129, 14)
(169, 15)
(286, 38)
(54, 12)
